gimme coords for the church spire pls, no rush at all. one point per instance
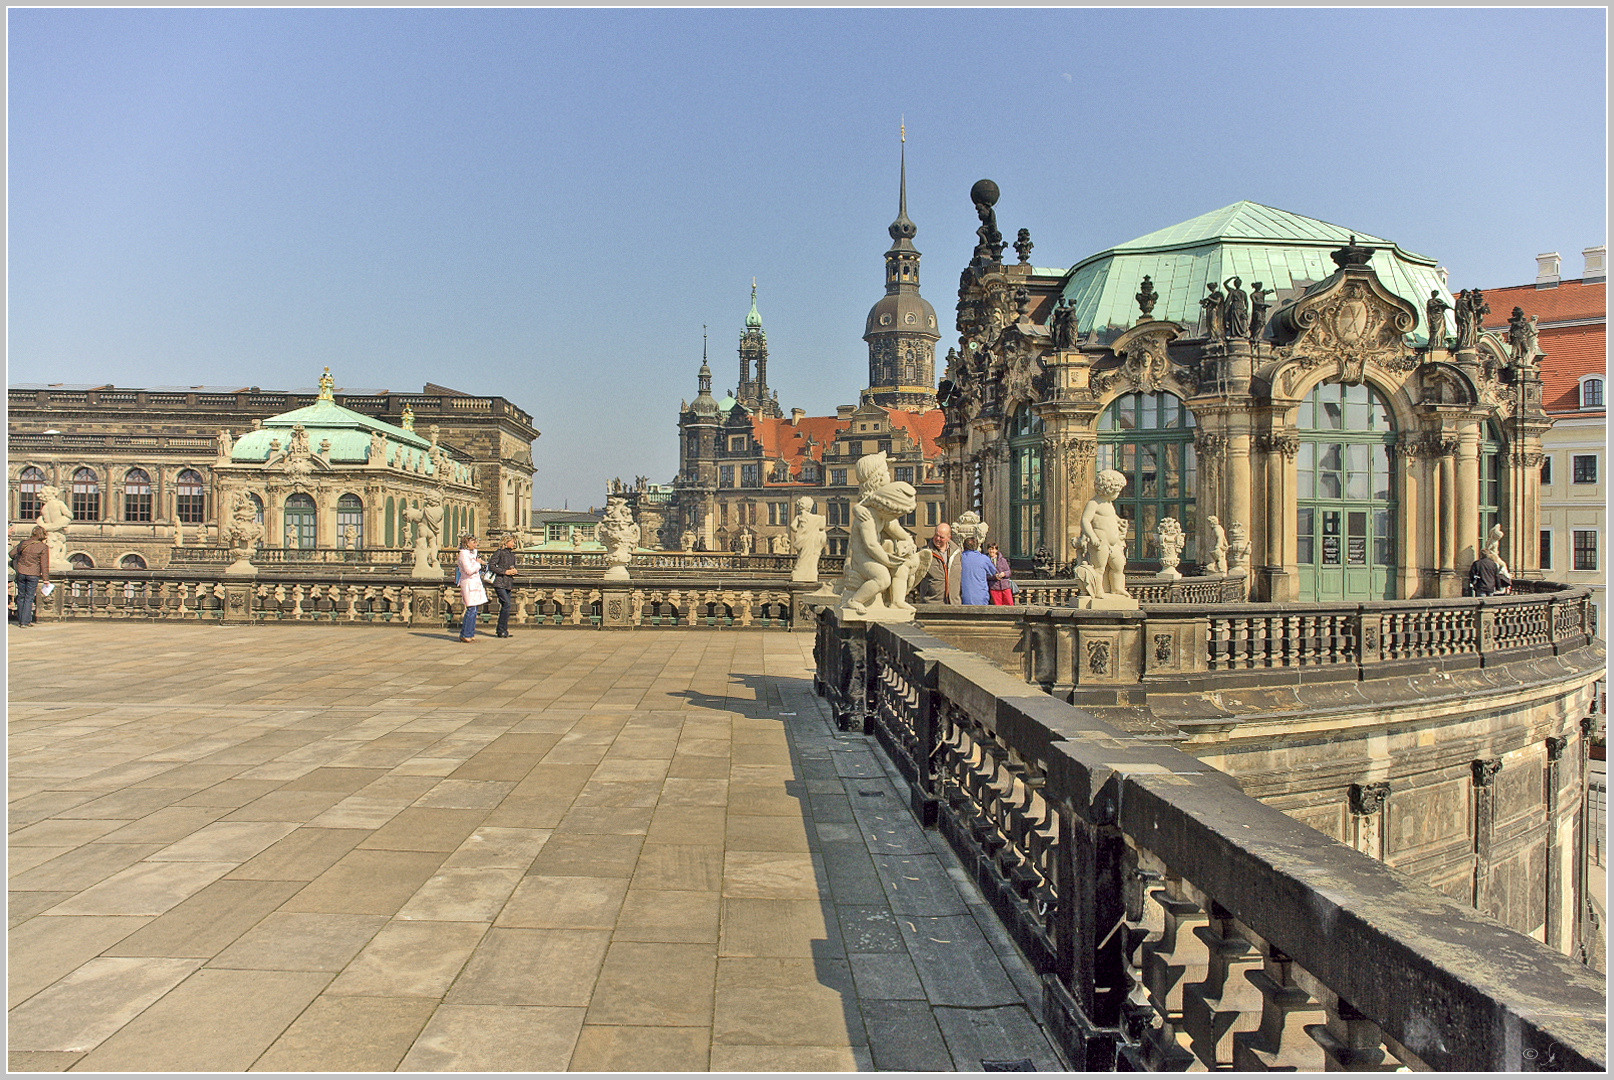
(902, 230)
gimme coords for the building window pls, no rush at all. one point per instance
(131, 562)
(136, 495)
(722, 513)
(1025, 483)
(29, 481)
(1546, 549)
(1149, 438)
(932, 514)
(1546, 471)
(837, 478)
(1591, 393)
(1585, 469)
(80, 561)
(190, 501)
(300, 522)
(86, 496)
(809, 472)
(903, 473)
(725, 476)
(1490, 489)
(350, 511)
(737, 444)
(1585, 549)
(750, 475)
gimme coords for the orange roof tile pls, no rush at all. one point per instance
(806, 438)
(1569, 300)
(1573, 352)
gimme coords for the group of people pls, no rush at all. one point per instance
(965, 574)
(468, 570)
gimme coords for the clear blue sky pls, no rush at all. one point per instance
(548, 205)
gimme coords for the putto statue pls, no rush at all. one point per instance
(1217, 563)
(1102, 575)
(620, 536)
(881, 558)
(1168, 536)
(1238, 547)
(808, 532)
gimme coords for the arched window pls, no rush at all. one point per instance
(1025, 483)
(80, 561)
(1346, 512)
(392, 523)
(136, 495)
(257, 508)
(190, 503)
(86, 496)
(29, 481)
(350, 511)
(1490, 492)
(1591, 393)
(1149, 438)
(300, 522)
(131, 562)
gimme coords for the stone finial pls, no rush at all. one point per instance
(1023, 246)
(1147, 298)
(1352, 255)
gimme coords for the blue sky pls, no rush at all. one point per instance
(549, 204)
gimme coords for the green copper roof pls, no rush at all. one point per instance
(753, 321)
(349, 433)
(1281, 250)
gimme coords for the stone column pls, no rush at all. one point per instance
(1446, 567)
(1239, 478)
(1280, 517)
(1560, 919)
(1484, 772)
(1469, 537)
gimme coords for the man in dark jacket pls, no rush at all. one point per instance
(1483, 575)
(31, 560)
(502, 564)
(940, 583)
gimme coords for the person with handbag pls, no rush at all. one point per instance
(1001, 581)
(469, 570)
(502, 565)
(31, 560)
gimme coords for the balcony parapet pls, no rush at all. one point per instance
(1176, 921)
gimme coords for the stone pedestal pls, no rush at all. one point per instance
(426, 604)
(807, 599)
(1106, 603)
(427, 571)
(616, 613)
(617, 573)
(238, 596)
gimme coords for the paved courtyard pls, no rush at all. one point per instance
(369, 848)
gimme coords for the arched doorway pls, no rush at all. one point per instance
(1346, 513)
(1149, 438)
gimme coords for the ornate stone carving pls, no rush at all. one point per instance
(1368, 799)
(1354, 321)
(1098, 657)
(620, 536)
(808, 532)
(1470, 315)
(1023, 246)
(881, 557)
(984, 194)
(1556, 744)
(1169, 538)
(1485, 770)
(1162, 648)
(1217, 563)
(1146, 355)
(1147, 298)
(1278, 443)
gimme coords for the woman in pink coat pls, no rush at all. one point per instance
(469, 569)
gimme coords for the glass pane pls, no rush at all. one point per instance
(1304, 541)
(1383, 540)
(1356, 541)
(1331, 538)
(1171, 481)
(1333, 457)
(1148, 473)
(1129, 515)
(1356, 456)
(1170, 411)
(1381, 471)
(1332, 415)
(1126, 412)
(1149, 517)
(1190, 472)
(1329, 483)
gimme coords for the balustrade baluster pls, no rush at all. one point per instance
(1213, 1007)
(1350, 1041)
(1280, 1043)
(1167, 966)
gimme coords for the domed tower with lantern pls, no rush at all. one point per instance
(901, 328)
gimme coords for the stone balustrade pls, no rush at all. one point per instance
(387, 560)
(1176, 921)
(314, 594)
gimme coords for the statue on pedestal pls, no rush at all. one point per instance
(1434, 310)
(429, 518)
(620, 536)
(1235, 309)
(808, 531)
(1146, 298)
(1168, 535)
(54, 517)
(242, 533)
(1101, 577)
(1238, 548)
(1258, 308)
(1218, 559)
(882, 560)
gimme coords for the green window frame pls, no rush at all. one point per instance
(1149, 439)
(1346, 509)
(1025, 483)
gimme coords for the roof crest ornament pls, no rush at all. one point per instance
(327, 386)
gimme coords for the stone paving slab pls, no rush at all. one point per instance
(355, 849)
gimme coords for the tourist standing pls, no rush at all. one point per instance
(31, 560)
(940, 583)
(503, 565)
(1001, 581)
(974, 568)
(1484, 575)
(472, 593)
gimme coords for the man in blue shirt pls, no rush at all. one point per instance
(973, 568)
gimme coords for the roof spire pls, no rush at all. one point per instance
(902, 229)
(752, 319)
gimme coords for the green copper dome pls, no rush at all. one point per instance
(1281, 250)
(753, 321)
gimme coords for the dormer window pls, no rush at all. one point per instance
(1591, 392)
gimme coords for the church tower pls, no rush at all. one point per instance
(754, 394)
(901, 328)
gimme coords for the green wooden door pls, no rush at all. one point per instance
(1346, 512)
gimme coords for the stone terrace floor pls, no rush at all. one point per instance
(367, 849)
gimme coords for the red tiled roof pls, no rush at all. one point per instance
(1569, 300)
(1572, 352)
(781, 438)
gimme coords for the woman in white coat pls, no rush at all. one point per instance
(469, 568)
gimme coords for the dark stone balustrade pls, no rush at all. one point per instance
(1177, 921)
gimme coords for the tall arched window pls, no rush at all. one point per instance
(190, 502)
(86, 496)
(1346, 512)
(1149, 439)
(392, 523)
(29, 481)
(350, 511)
(1025, 483)
(1490, 492)
(136, 495)
(301, 518)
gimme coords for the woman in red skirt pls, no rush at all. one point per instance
(1000, 584)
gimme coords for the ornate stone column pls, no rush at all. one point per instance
(1410, 494)
(1484, 772)
(1279, 449)
(1210, 451)
(1468, 536)
(1446, 567)
(1239, 478)
(1560, 919)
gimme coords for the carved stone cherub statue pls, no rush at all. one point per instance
(1218, 560)
(881, 557)
(1168, 536)
(808, 531)
(1102, 576)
